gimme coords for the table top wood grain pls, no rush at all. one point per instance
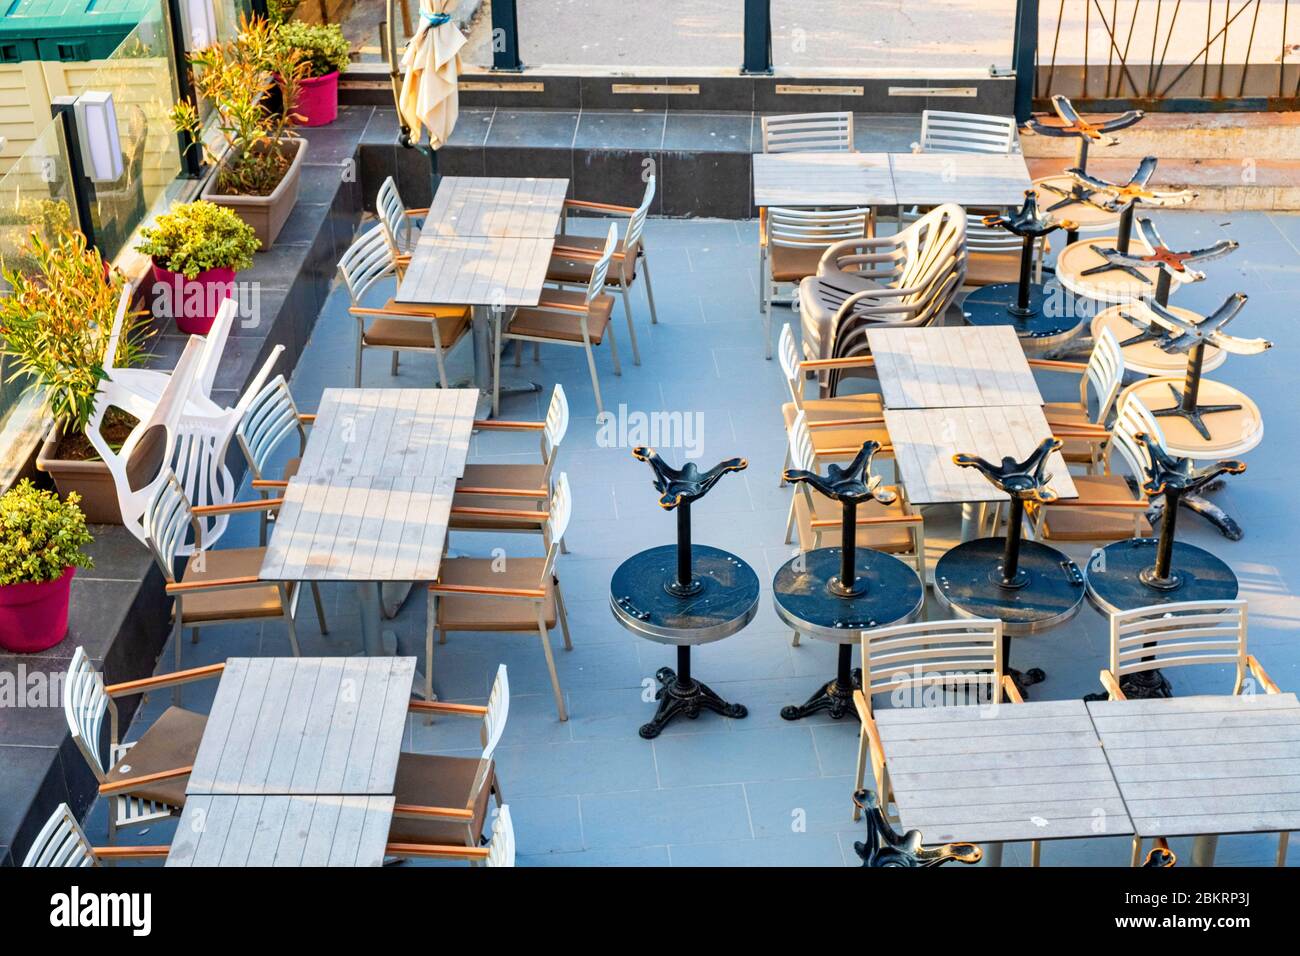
(475, 270)
(822, 179)
(947, 367)
(1004, 773)
(280, 830)
(1190, 766)
(305, 725)
(371, 432)
(925, 440)
(968, 179)
(360, 529)
(496, 206)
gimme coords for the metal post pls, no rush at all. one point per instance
(684, 546)
(1011, 552)
(848, 544)
(191, 151)
(82, 188)
(758, 38)
(1024, 56)
(505, 37)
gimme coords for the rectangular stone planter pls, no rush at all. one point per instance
(266, 214)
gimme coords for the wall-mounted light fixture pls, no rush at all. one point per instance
(101, 145)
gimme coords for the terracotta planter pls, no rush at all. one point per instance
(193, 303)
(34, 617)
(266, 214)
(318, 100)
(90, 479)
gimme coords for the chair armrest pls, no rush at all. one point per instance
(418, 212)
(530, 593)
(417, 812)
(307, 418)
(215, 584)
(435, 852)
(599, 206)
(438, 707)
(144, 684)
(554, 305)
(813, 365)
(503, 492)
(842, 422)
(1059, 366)
(131, 852)
(1261, 675)
(1011, 690)
(848, 450)
(1099, 503)
(876, 746)
(118, 786)
(505, 425)
(502, 513)
(235, 507)
(888, 519)
(1111, 685)
(269, 483)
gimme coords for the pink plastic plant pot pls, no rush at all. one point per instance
(34, 617)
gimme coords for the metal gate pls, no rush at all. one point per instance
(1170, 54)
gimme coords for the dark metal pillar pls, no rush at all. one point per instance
(505, 37)
(1024, 57)
(758, 38)
(62, 108)
(191, 151)
(258, 8)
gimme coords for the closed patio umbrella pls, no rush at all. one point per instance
(431, 64)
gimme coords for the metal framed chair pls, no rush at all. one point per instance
(944, 131)
(806, 132)
(578, 319)
(145, 780)
(392, 327)
(1184, 634)
(216, 586)
(444, 799)
(403, 225)
(500, 849)
(271, 417)
(575, 256)
(1104, 373)
(515, 595)
(486, 489)
(791, 243)
(62, 843)
(907, 279)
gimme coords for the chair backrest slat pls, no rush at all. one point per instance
(966, 652)
(943, 131)
(368, 260)
(501, 844)
(811, 228)
(557, 523)
(61, 843)
(557, 423)
(598, 272)
(1178, 635)
(1133, 419)
(788, 355)
(805, 132)
(270, 417)
(85, 703)
(498, 709)
(636, 223)
(168, 520)
(1105, 372)
(392, 212)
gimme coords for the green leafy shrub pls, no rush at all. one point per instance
(324, 47)
(56, 320)
(195, 236)
(40, 535)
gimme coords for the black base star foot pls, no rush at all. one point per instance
(835, 698)
(1193, 416)
(1225, 523)
(1026, 679)
(1144, 685)
(677, 697)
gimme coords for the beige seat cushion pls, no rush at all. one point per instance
(594, 245)
(892, 538)
(479, 612)
(1081, 523)
(415, 333)
(172, 741)
(430, 780)
(499, 503)
(848, 437)
(228, 604)
(512, 477)
(990, 268)
(563, 326)
(793, 263)
(1074, 450)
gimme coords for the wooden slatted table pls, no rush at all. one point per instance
(368, 432)
(305, 726)
(823, 179)
(279, 830)
(925, 439)
(1204, 766)
(969, 179)
(486, 243)
(950, 367)
(496, 206)
(1000, 774)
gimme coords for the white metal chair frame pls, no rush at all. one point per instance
(557, 521)
(808, 132)
(86, 702)
(369, 260)
(944, 131)
(62, 843)
(500, 849)
(403, 225)
(1104, 372)
(800, 229)
(595, 288)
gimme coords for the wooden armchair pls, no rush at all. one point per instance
(143, 781)
(216, 586)
(1104, 372)
(396, 327)
(62, 843)
(511, 595)
(500, 849)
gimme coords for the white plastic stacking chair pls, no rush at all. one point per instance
(943, 131)
(139, 468)
(807, 132)
(792, 244)
(403, 224)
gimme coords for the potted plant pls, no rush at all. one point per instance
(197, 248)
(258, 169)
(54, 329)
(41, 539)
(326, 51)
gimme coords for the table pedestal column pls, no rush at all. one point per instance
(680, 693)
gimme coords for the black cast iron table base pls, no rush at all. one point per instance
(679, 694)
(806, 593)
(1049, 320)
